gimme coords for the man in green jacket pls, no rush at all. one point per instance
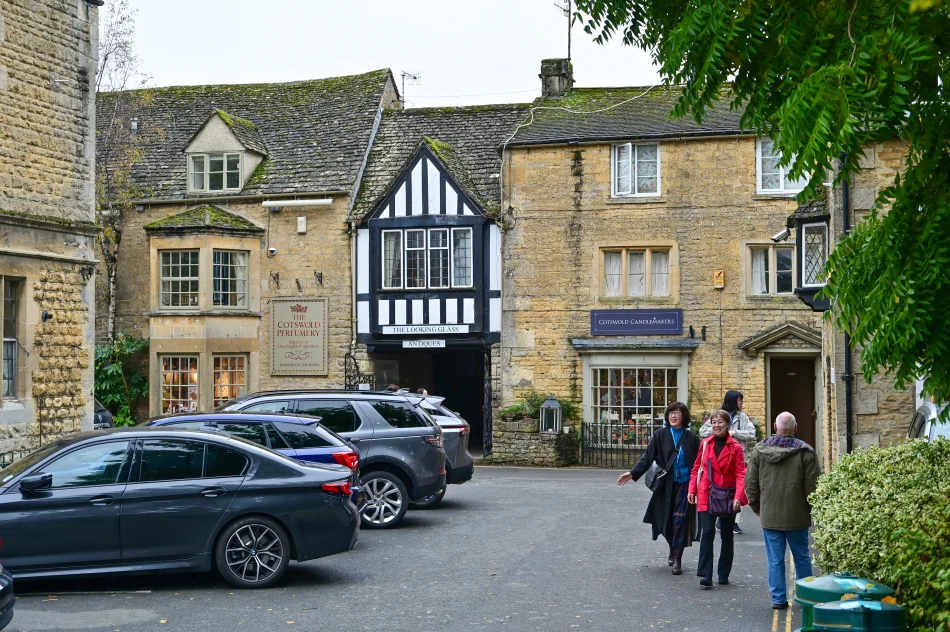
(782, 472)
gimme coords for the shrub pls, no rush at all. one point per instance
(122, 376)
(532, 401)
(884, 513)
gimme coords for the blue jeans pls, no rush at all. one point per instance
(775, 542)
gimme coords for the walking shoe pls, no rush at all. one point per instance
(718, 524)
(780, 606)
(736, 529)
(723, 581)
(706, 582)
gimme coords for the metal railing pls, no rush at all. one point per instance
(616, 444)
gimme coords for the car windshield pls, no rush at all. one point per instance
(29, 461)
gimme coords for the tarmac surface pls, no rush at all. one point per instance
(514, 549)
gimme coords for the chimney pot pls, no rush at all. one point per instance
(557, 77)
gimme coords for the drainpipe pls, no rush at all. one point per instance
(847, 377)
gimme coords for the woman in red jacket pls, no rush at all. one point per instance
(721, 456)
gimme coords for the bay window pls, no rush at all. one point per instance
(434, 258)
(229, 279)
(178, 281)
(814, 253)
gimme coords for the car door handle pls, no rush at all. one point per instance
(101, 501)
(213, 492)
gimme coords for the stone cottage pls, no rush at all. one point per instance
(47, 230)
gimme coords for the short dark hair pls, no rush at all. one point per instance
(680, 406)
(730, 403)
(392, 388)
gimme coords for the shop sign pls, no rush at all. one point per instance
(423, 344)
(425, 329)
(298, 336)
(636, 322)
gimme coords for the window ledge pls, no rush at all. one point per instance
(198, 312)
(634, 300)
(776, 196)
(645, 199)
(772, 298)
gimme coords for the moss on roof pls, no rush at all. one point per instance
(205, 217)
(50, 219)
(446, 154)
(235, 121)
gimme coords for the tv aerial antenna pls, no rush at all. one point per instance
(565, 7)
(415, 79)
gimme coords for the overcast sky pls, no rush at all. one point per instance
(485, 51)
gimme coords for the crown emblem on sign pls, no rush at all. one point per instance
(298, 309)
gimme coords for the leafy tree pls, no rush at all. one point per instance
(824, 80)
(122, 376)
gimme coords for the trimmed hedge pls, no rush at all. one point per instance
(884, 514)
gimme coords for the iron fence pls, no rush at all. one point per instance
(616, 444)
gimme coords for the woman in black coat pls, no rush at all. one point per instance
(669, 512)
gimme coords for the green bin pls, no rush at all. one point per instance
(812, 591)
(861, 614)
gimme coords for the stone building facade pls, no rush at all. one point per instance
(48, 52)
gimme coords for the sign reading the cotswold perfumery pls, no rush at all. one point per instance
(298, 336)
(633, 322)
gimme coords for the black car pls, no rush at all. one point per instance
(102, 418)
(140, 500)
(7, 600)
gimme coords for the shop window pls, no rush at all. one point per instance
(636, 169)
(636, 272)
(229, 278)
(179, 384)
(178, 283)
(771, 177)
(771, 269)
(10, 351)
(230, 377)
(628, 403)
(214, 172)
(427, 258)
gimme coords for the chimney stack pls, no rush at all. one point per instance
(557, 77)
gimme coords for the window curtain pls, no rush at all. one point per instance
(612, 273)
(635, 274)
(392, 260)
(760, 271)
(661, 273)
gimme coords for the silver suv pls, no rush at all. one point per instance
(401, 453)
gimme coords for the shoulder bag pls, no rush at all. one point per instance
(720, 498)
(655, 474)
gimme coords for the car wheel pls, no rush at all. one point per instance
(427, 502)
(386, 500)
(252, 552)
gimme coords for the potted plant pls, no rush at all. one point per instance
(516, 410)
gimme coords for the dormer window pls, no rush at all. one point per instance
(214, 172)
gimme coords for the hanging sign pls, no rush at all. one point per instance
(298, 336)
(636, 322)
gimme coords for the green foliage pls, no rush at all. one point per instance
(567, 448)
(884, 513)
(826, 80)
(532, 401)
(122, 376)
(515, 410)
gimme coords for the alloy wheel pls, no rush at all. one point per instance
(383, 501)
(254, 553)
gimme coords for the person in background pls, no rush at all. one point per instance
(782, 472)
(720, 462)
(741, 429)
(422, 391)
(392, 388)
(669, 512)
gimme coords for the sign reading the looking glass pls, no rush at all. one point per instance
(298, 329)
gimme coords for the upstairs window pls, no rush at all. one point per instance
(214, 172)
(434, 258)
(229, 279)
(771, 177)
(636, 169)
(636, 272)
(814, 254)
(771, 268)
(178, 284)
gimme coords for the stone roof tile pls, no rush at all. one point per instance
(204, 217)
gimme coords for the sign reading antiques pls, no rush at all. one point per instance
(298, 329)
(423, 344)
(633, 322)
(425, 329)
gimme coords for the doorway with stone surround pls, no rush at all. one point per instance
(792, 383)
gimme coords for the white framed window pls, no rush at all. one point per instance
(179, 384)
(439, 258)
(214, 172)
(9, 352)
(229, 278)
(392, 259)
(636, 169)
(462, 257)
(636, 272)
(178, 282)
(814, 254)
(627, 404)
(415, 259)
(230, 377)
(772, 269)
(771, 177)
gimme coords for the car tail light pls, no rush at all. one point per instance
(350, 459)
(342, 488)
(435, 440)
(463, 430)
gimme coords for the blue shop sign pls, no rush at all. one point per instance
(642, 322)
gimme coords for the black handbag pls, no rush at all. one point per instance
(655, 474)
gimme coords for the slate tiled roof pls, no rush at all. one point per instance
(206, 217)
(647, 116)
(315, 133)
(812, 209)
(472, 134)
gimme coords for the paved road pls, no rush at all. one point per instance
(518, 549)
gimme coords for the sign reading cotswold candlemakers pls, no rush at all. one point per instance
(645, 322)
(298, 330)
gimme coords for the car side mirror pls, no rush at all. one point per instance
(36, 482)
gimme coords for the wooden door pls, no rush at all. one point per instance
(792, 389)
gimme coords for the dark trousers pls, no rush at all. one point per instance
(707, 527)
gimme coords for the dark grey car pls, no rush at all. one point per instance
(401, 454)
(140, 500)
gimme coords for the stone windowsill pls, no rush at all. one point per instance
(637, 300)
(772, 298)
(776, 196)
(198, 312)
(645, 199)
